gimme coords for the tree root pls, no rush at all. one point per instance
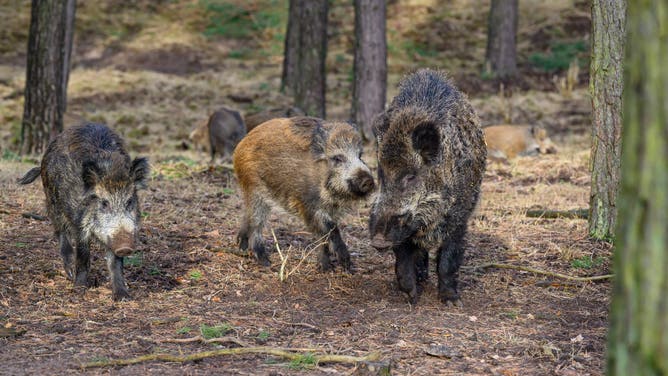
(283, 353)
(542, 272)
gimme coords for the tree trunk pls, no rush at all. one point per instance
(606, 86)
(291, 49)
(501, 54)
(47, 72)
(638, 336)
(370, 64)
(309, 90)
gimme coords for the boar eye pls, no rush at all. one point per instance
(408, 180)
(104, 205)
(337, 159)
(130, 203)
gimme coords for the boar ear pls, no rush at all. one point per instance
(380, 124)
(427, 142)
(90, 173)
(139, 172)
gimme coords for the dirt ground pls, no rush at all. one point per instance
(185, 279)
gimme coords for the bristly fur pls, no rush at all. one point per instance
(431, 154)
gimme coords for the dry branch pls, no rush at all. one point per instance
(542, 272)
(554, 214)
(290, 355)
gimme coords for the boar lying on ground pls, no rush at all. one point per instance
(508, 141)
(253, 120)
(91, 186)
(311, 168)
(431, 159)
(221, 133)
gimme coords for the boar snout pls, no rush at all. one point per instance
(123, 244)
(380, 243)
(361, 184)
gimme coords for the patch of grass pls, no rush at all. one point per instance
(209, 332)
(306, 361)
(8, 155)
(20, 245)
(511, 314)
(136, 259)
(242, 53)
(263, 335)
(144, 215)
(228, 191)
(560, 57)
(195, 275)
(184, 330)
(230, 20)
(586, 262)
(154, 270)
(412, 48)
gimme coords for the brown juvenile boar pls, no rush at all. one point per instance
(431, 159)
(508, 141)
(253, 120)
(91, 186)
(200, 137)
(310, 167)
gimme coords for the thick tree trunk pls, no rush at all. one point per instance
(291, 49)
(638, 337)
(309, 90)
(47, 72)
(370, 64)
(501, 54)
(606, 86)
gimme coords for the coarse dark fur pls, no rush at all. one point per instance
(431, 160)
(311, 168)
(91, 186)
(253, 120)
(226, 129)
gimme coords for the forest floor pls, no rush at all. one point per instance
(186, 281)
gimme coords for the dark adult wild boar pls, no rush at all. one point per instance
(253, 120)
(310, 167)
(226, 129)
(431, 159)
(91, 186)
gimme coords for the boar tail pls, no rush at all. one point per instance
(30, 176)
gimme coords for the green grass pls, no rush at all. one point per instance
(560, 56)
(305, 361)
(230, 20)
(184, 330)
(209, 332)
(195, 275)
(263, 335)
(586, 262)
(136, 259)
(8, 155)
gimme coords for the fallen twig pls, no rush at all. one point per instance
(543, 272)
(553, 214)
(326, 358)
(33, 216)
(203, 340)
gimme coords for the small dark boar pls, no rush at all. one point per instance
(253, 120)
(226, 129)
(431, 159)
(312, 168)
(91, 186)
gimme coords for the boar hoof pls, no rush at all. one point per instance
(450, 297)
(263, 260)
(81, 279)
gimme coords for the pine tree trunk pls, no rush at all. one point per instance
(47, 72)
(638, 337)
(291, 49)
(606, 86)
(370, 64)
(312, 51)
(501, 54)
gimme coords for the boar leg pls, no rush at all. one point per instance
(336, 242)
(405, 269)
(251, 229)
(421, 264)
(325, 226)
(115, 265)
(449, 259)
(82, 264)
(67, 253)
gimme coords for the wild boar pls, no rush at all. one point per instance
(91, 186)
(431, 160)
(310, 167)
(226, 128)
(508, 141)
(200, 137)
(253, 120)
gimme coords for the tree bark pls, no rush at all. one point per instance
(638, 336)
(290, 51)
(47, 72)
(606, 86)
(370, 64)
(501, 54)
(310, 81)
